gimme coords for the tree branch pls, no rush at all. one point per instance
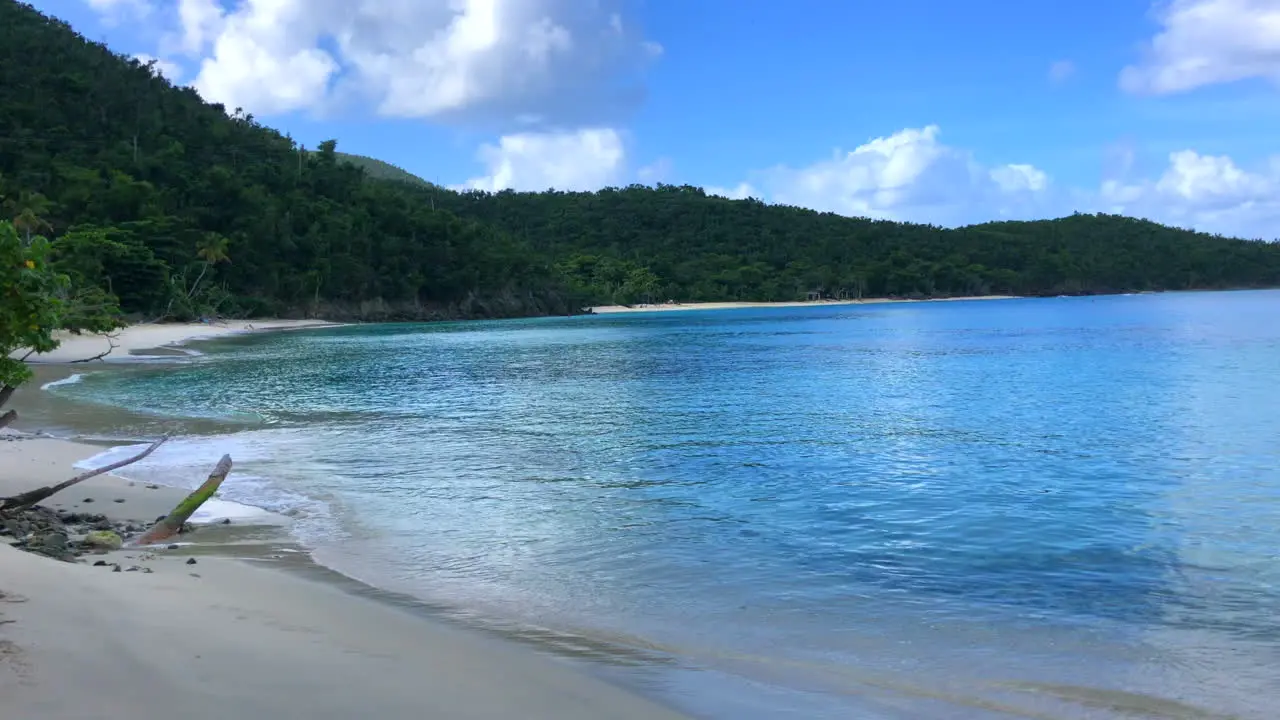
(171, 524)
(32, 497)
(110, 341)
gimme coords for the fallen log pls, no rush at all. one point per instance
(172, 523)
(31, 497)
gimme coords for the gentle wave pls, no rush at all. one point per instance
(183, 463)
(69, 380)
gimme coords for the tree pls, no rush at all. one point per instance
(28, 210)
(35, 302)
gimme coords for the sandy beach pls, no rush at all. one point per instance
(136, 339)
(234, 637)
(670, 307)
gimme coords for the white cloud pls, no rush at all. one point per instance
(741, 191)
(1205, 192)
(909, 175)
(1061, 70)
(169, 70)
(1206, 42)
(655, 172)
(556, 62)
(586, 159)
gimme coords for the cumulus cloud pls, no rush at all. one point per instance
(1207, 42)
(655, 172)
(1206, 192)
(909, 175)
(586, 159)
(505, 61)
(912, 176)
(741, 191)
(170, 71)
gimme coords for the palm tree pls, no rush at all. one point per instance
(212, 249)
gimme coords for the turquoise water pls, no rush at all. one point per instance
(1031, 508)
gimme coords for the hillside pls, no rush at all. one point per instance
(380, 170)
(179, 209)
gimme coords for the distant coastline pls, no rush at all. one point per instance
(675, 306)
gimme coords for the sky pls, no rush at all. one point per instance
(932, 111)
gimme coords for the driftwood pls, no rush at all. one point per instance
(172, 523)
(32, 497)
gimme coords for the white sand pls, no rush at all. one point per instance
(665, 307)
(35, 462)
(227, 639)
(138, 338)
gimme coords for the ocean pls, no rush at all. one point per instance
(1042, 508)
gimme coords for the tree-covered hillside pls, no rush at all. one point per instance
(173, 204)
(382, 170)
(179, 208)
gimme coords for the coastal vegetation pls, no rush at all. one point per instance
(175, 208)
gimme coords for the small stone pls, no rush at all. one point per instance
(87, 500)
(195, 575)
(153, 487)
(100, 563)
(133, 568)
(118, 500)
(191, 561)
(174, 546)
(225, 521)
(147, 570)
(115, 567)
(54, 541)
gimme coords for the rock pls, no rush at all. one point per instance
(225, 521)
(174, 546)
(133, 568)
(153, 487)
(54, 541)
(147, 570)
(102, 524)
(115, 567)
(191, 561)
(104, 539)
(100, 563)
(87, 500)
(118, 500)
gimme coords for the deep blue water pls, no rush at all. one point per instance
(1059, 506)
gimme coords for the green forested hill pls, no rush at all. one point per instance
(179, 208)
(380, 170)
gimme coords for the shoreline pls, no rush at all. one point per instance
(297, 624)
(128, 344)
(743, 305)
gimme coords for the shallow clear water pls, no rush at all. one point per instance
(1052, 508)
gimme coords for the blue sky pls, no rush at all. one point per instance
(923, 110)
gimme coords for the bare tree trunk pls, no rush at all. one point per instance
(32, 497)
(172, 523)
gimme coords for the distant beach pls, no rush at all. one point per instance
(134, 339)
(676, 306)
(209, 628)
